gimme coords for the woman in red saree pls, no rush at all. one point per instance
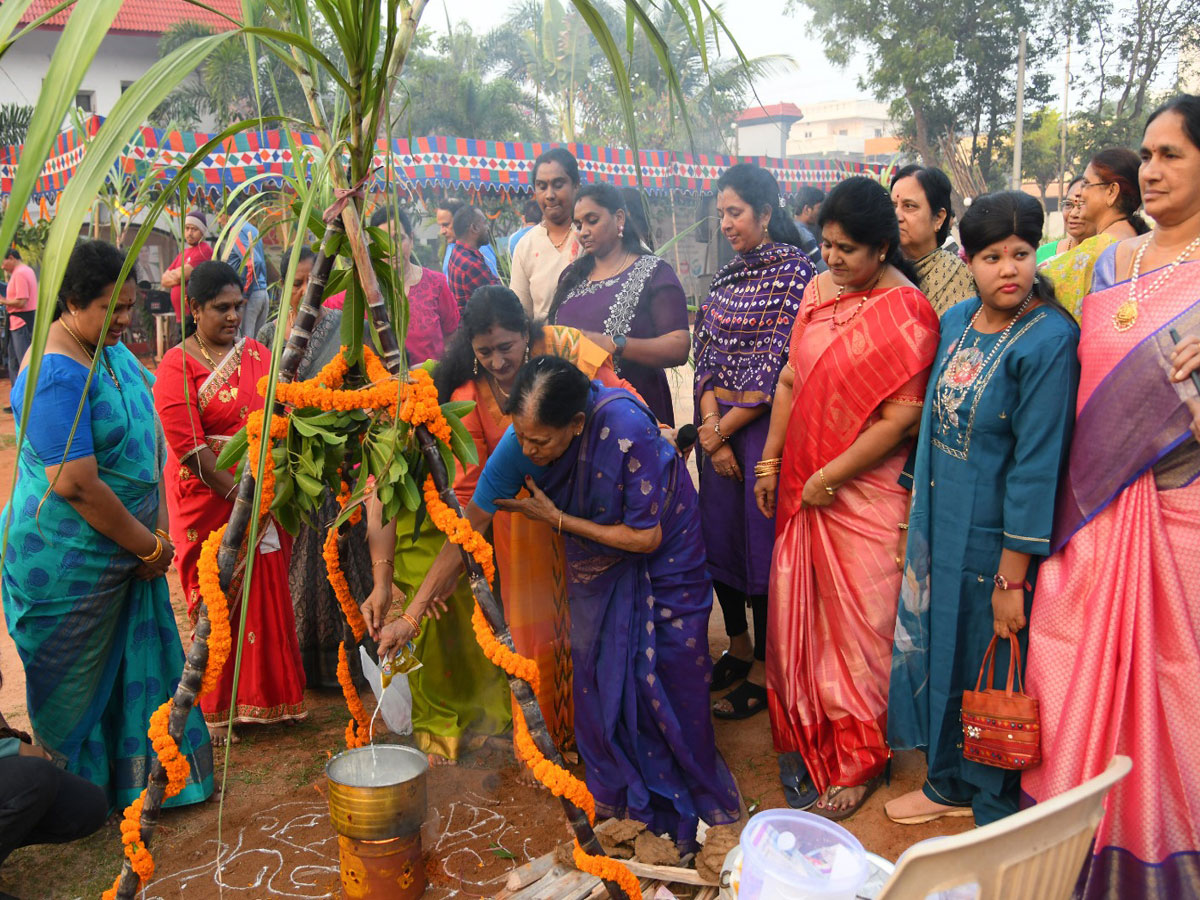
(845, 408)
(205, 389)
(1114, 643)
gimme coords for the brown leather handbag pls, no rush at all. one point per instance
(1001, 728)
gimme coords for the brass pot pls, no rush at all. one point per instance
(377, 793)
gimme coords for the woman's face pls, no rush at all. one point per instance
(1004, 272)
(217, 320)
(1076, 225)
(599, 229)
(555, 193)
(1096, 197)
(918, 222)
(501, 352)
(1170, 172)
(742, 225)
(851, 264)
(89, 322)
(543, 444)
(300, 281)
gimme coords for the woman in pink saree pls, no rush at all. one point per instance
(845, 409)
(1114, 645)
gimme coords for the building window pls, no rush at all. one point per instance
(126, 85)
(86, 100)
(842, 132)
(878, 132)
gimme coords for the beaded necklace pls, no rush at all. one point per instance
(1126, 315)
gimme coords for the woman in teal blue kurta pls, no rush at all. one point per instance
(92, 623)
(994, 432)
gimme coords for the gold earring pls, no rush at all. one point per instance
(527, 353)
(475, 366)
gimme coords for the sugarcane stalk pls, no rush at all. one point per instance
(521, 690)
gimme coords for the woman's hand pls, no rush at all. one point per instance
(33, 750)
(815, 493)
(764, 493)
(725, 464)
(709, 439)
(537, 506)
(393, 636)
(1186, 360)
(375, 608)
(148, 571)
(1008, 611)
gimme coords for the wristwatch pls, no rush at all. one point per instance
(1001, 582)
(619, 342)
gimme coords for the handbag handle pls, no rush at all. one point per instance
(1014, 666)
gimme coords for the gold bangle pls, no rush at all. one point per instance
(413, 622)
(709, 416)
(560, 518)
(158, 550)
(776, 461)
(383, 562)
(162, 534)
(825, 484)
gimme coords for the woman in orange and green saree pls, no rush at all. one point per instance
(459, 698)
(845, 410)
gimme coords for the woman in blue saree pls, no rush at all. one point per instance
(85, 597)
(596, 467)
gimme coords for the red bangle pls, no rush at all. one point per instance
(413, 622)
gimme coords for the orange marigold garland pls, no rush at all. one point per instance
(220, 637)
(358, 728)
(556, 779)
(341, 589)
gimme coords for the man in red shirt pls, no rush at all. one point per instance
(21, 303)
(467, 269)
(195, 226)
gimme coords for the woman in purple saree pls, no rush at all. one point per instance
(592, 462)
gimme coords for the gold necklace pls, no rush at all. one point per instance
(1126, 315)
(834, 324)
(559, 245)
(91, 355)
(621, 268)
(204, 349)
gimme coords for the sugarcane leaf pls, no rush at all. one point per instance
(234, 450)
(461, 442)
(10, 18)
(457, 408)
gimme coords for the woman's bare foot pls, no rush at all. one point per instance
(837, 799)
(219, 735)
(914, 808)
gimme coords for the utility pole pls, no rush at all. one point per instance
(1019, 136)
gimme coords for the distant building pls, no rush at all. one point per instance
(764, 130)
(127, 51)
(855, 129)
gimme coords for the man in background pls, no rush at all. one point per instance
(246, 256)
(467, 269)
(20, 301)
(808, 207)
(447, 208)
(195, 251)
(530, 216)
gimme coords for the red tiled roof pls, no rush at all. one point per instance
(151, 17)
(771, 111)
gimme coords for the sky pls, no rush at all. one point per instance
(760, 26)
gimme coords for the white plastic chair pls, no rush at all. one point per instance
(1035, 854)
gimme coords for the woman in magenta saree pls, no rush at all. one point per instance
(1114, 645)
(846, 404)
(600, 472)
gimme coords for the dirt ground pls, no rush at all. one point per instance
(273, 817)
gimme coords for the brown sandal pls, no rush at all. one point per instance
(870, 786)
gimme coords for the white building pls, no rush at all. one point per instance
(857, 128)
(764, 130)
(127, 51)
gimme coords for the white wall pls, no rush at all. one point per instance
(120, 58)
(760, 139)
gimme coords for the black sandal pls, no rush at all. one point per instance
(728, 670)
(745, 700)
(798, 789)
